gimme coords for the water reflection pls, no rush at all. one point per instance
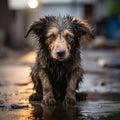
(59, 112)
(85, 110)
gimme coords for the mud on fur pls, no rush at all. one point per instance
(57, 70)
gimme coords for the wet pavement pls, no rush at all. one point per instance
(102, 86)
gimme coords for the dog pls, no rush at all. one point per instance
(57, 71)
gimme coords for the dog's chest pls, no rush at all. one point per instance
(58, 75)
(58, 72)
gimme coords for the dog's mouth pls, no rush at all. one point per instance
(61, 58)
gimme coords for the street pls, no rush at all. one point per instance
(101, 84)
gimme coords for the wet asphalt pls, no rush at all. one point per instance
(101, 84)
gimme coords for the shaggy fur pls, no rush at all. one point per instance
(57, 70)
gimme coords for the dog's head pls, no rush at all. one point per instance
(60, 35)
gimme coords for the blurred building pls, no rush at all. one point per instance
(76, 8)
(11, 25)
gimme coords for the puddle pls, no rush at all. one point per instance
(86, 110)
(98, 110)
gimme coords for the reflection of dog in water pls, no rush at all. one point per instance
(60, 112)
(57, 70)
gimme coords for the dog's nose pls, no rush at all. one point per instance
(61, 53)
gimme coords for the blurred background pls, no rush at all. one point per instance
(100, 59)
(15, 16)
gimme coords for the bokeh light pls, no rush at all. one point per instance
(32, 3)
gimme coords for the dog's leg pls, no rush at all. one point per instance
(37, 96)
(48, 96)
(70, 98)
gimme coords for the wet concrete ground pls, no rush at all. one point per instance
(102, 86)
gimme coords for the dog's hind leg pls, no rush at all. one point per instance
(37, 96)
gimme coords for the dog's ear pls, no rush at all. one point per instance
(83, 29)
(37, 27)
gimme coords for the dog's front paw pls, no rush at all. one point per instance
(49, 101)
(69, 101)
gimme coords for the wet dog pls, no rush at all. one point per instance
(57, 71)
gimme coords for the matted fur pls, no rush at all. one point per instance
(56, 76)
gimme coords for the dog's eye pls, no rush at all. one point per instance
(52, 37)
(69, 37)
